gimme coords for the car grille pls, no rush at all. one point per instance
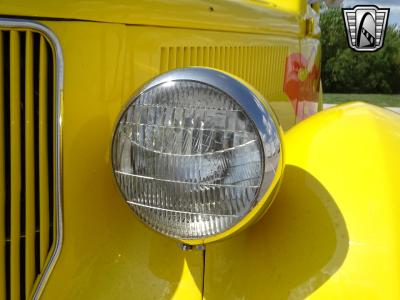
(258, 65)
(27, 159)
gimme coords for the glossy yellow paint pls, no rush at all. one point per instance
(333, 229)
(295, 6)
(106, 251)
(2, 180)
(104, 244)
(364, 181)
(260, 61)
(30, 271)
(15, 163)
(274, 16)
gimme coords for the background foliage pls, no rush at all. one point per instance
(347, 71)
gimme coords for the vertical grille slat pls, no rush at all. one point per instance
(2, 178)
(256, 64)
(43, 155)
(15, 160)
(27, 154)
(6, 124)
(30, 269)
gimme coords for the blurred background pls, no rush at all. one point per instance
(372, 77)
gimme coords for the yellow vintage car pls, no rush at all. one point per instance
(173, 150)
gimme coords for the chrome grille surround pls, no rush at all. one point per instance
(8, 24)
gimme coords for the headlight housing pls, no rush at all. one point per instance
(197, 154)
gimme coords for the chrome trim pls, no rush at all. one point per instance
(21, 24)
(254, 105)
(261, 114)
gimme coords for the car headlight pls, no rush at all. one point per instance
(197, 154)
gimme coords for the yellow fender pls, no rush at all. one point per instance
(333, 231)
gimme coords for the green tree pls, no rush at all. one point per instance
(347, 71)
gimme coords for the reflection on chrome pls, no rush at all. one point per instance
(188, 157)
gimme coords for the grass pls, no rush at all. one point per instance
(377, 99)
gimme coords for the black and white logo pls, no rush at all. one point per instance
(365, 26)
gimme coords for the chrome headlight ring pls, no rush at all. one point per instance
(197, 154)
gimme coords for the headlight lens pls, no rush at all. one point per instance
(188, 158)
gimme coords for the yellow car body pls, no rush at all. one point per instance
(333, 229)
